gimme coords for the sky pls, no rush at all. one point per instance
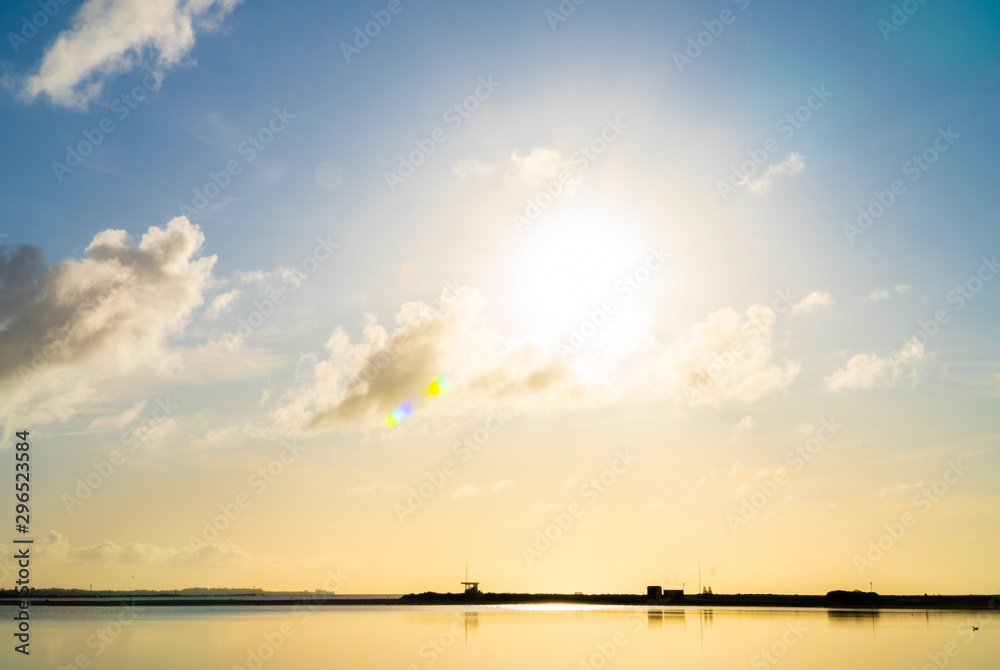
(580, 294)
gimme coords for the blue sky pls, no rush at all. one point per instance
(171, 329)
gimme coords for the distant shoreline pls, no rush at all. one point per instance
(856, 601)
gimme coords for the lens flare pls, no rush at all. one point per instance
(399, 414)
(440, 385)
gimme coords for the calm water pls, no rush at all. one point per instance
(575, 638)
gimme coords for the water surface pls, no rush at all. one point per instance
(502, 637)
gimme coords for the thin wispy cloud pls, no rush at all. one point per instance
(470, 490)
(117, 421)
(55, 547)
(223, 302)
(792, 165)
(743, 428)
(812, 302)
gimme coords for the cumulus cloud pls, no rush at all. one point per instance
(110, 37)
(727, 358)
(744, 427)
(813, 301)
(363, 382)
(539, 165)
(66, 327)
(792, 165)
(885, 294)
(865, 371)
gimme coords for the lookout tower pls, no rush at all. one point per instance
(471, 588)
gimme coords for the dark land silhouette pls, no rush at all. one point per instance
(258, 597)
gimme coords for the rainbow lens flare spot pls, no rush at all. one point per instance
(439, 385)
(399, 414)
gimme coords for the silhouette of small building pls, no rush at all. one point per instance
(660, 593)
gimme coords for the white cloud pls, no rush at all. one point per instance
(752, 485)
(475, 489)
(533, 169)
(862, 371)
(792, 165)
(879, 294)
(468, 490)
(744, 427)
(473, 168)
(110, 37)
(727, 358)
(865, 371)
(222, 437)
(539, 165)
(222, 302)
(885, 294)
(813, 301)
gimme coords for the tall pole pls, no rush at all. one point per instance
(699, 576)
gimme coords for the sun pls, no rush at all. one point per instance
(567, 266)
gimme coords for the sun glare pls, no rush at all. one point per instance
(569, 266)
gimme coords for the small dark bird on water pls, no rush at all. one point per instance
(975, 628)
